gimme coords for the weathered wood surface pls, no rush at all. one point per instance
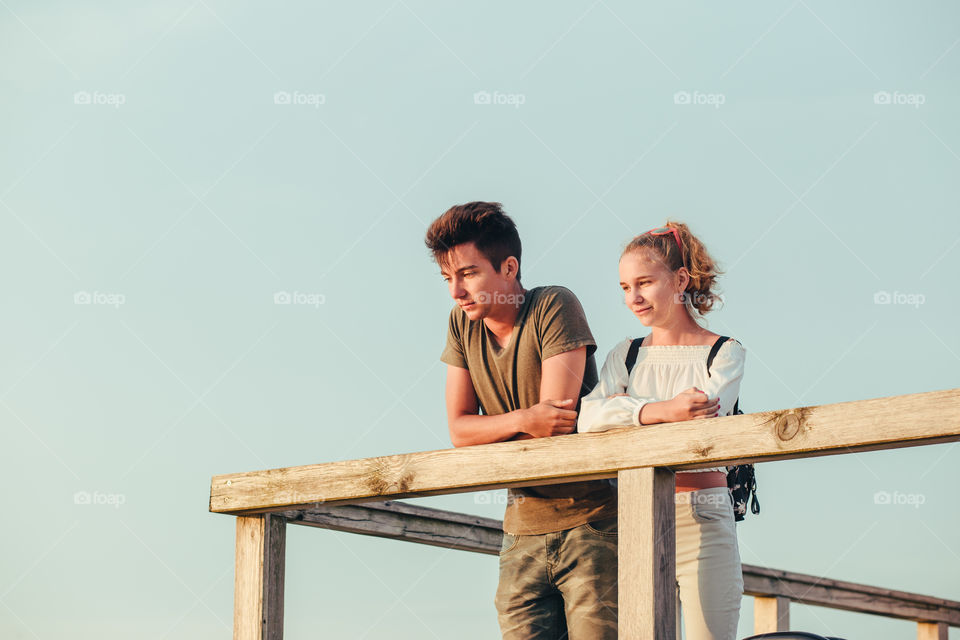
(771, 614)
(932, 631)
(408, 522)
(865, 425)
(647, 571)
(836, 594)
(258, 581)
(445, 528)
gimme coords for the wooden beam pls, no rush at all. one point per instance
(411, 523)
(771, 614)
(848, 427)
(647, 571)
(258, 580)
(424, 525)
(932, 631)
(848, 596)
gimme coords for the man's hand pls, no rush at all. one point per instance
(549, 418)
(692, 404)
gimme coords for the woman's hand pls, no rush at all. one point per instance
(692, 404)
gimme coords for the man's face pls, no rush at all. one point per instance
(474, 284)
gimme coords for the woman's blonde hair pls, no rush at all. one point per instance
(701, 291)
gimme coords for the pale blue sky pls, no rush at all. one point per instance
(146, 162)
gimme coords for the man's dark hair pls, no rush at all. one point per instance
(483, 223)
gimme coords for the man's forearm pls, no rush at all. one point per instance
(468, 430)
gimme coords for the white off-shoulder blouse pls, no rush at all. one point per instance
(660, 373)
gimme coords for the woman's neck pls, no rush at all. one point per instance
(683, 332)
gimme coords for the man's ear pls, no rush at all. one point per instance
(509, 268)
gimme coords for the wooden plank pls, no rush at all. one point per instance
(834, 594)
(647, 570)
(771, 614)
(258, 580)
(755, 574)
(884, 423)
(425, 525)
(411, 523)
(932, 631)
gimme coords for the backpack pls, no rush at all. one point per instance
(741, 479)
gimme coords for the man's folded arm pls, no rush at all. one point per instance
(561, 377)
(466, 426)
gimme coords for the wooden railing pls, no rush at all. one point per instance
(344, 496)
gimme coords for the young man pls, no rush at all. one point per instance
(525, 358)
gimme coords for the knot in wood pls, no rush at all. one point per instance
(787, 426)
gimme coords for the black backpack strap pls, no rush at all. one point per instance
(714, 350)
(713, 354)
(632, 354)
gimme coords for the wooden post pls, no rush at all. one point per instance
(932, 631)
(771, 614)
(647, 570)
(258, 583)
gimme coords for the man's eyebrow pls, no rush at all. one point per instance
(471, 266)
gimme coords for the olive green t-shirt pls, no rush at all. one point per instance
(551, 321)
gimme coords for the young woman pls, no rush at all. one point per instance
(668, 281)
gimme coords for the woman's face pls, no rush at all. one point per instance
(650, 289)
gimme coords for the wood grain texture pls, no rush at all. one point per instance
(425, 525)
(398, 521)
(884, 423)
(771, 614)
(932, 631)
(647, 573)
(848, 596)
(258, 578)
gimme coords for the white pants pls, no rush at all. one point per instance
(709, 576)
